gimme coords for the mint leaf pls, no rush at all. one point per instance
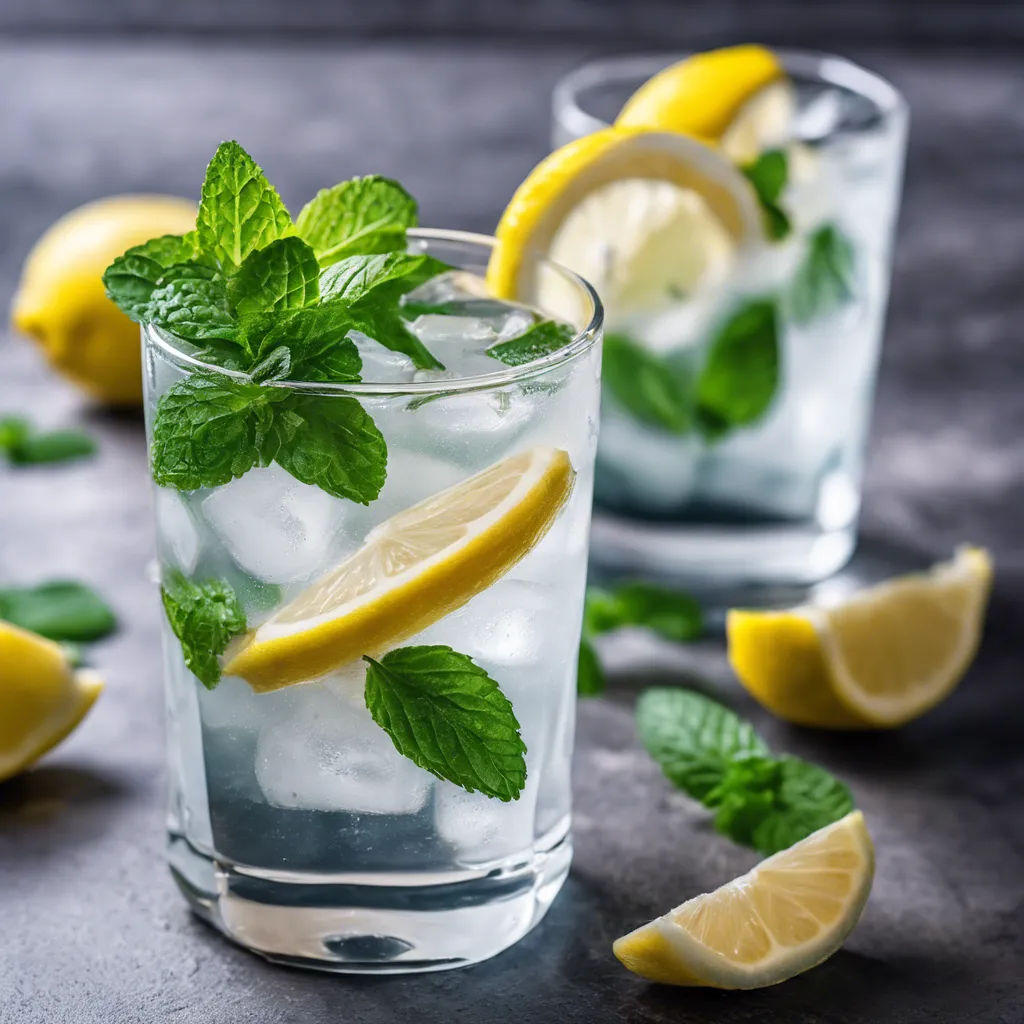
(455, 307)
(824, 281)
(674, 615)
(740, 377)
(133, 277)
(693, 738)
(770, 804)
(240, 210)
(387, 328)
(334, 444)
(284, 275)
(601, 613)
(539, 340)
(768, 175)
(653, 390)
(276, 366)
(210, 429)
(54, 446)
(316, 337)
(590, 680)
(61, 610)
(448, 716)
(356, 217)
(192, 307)
(204, 617)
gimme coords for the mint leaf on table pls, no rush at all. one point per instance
(770, 804)
(590, 681)
(60, 610)
(768, 175)
(539, 340)
(240, 211)
(447, 715)
(824, 281)
(284, 275)
(24, 446)
(195, 308)
(693, 739)
(740, 376)
(357, 217)
(332, 443)
(653, 390)
(204, 617)
(316, 336)
(210, 429)
(133, 277)
(670, 613)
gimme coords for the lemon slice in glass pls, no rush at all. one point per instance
(411, 571)
(788, 914)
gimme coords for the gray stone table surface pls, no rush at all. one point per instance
(91, 928)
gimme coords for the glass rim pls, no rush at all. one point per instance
(582, 340)
(827, 67)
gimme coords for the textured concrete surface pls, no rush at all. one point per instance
(91, 928)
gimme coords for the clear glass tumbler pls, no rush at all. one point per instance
(295, 825)
(775, 501)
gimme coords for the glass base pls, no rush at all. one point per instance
(729, 558)
(395, 925)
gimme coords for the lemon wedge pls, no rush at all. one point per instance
(882, 658)
(738, 97)
(412, 570)
(788, 914)
(644, 216)
(42, 699)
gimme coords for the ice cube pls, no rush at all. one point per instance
(516, 321)
(452, 333)
(177, 534)
(330, 755)
(274, 527)
(380, 364)
(453, 286)
(482, 828)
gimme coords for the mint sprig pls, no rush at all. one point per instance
(24, 446)
(653, 390)
(447, 715)
(541, 339)
(284, 275)
(824, 281)
(768, 175)
(59, 610)
(712, 755)
(205, 617)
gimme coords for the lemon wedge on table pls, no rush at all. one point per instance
(42, 699)
(788, 914)
(641, 215)
(738, 98)
(412, 570)
(882, 658)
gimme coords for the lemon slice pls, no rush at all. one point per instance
(882, 658)
(42, 699)
(738, 97)
(412, 570)
(641, 215)
(791, 912)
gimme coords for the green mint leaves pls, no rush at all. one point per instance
(448, 716)
(673, 615)
(60, 610)
(768, 175)
(824, 281)
(541, 339)
(205, 617)
(24, 446)
(712, 755)
(284, 275)
(734, 388)
(356, 218)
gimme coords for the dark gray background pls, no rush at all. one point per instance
(91, 929)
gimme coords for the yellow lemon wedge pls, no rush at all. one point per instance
(788, 914)
(738, 97)
(882, 658)
(61, 301)
(644, 216)
(412, 570)
(42, 699)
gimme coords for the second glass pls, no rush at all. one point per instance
(776, 500)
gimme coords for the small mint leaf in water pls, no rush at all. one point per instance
(284, 275)
(537, 341)
(210, 429)
(693, 739)
(740, 377)
(204, 617)
(60, 610)
(240, 210)
(650, 388)
(332, 443)
(445, 713)
(590, 680)
(824, 281)
(316, 336)
(387, 328)
(357, 217)
(768, 175)
(195, 308)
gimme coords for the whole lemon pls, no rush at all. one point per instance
(61, 301)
